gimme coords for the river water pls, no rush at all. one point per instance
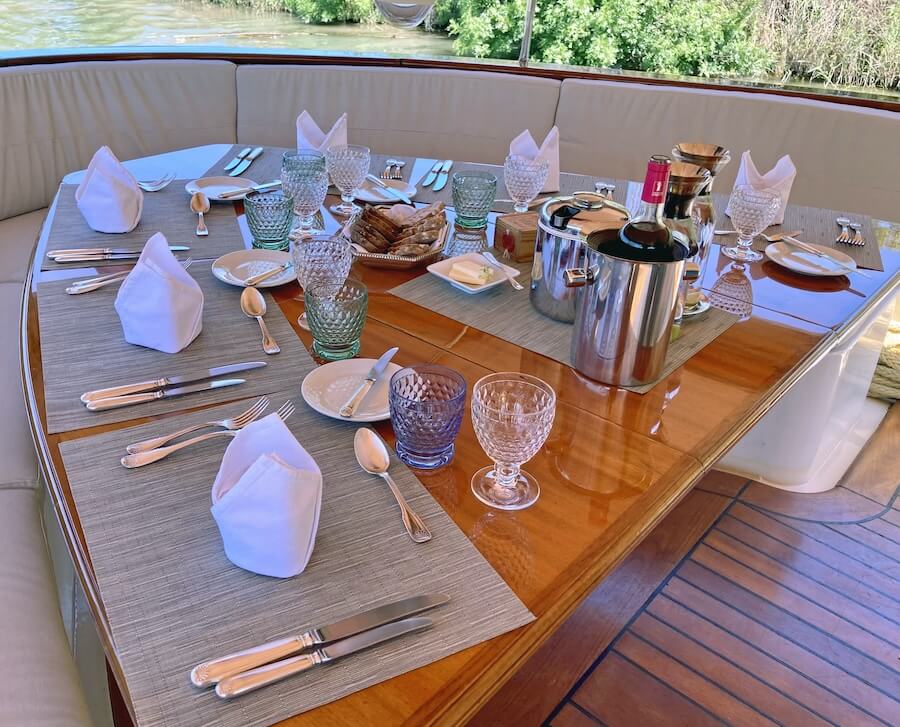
(26, 24)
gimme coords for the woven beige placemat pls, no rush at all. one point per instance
(167, 211)
(173, 599)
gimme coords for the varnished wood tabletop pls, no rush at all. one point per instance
(615, 463)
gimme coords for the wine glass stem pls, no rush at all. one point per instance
(347, 198)
(306, 222)
(521, 207)
(505, 476)
(744, 242)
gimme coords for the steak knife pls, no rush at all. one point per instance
(443, 176)
(237, 160)
(245, 162)
(244, 682)
(213, 671)
(166, 381)
(116, 402)
(349, 409)
(77, 251)
(432, 175)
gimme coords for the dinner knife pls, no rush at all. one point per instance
(432, 175)
(246, 190)
(213, 671)
(116, 402)
(245, 162)
(166, 381)
(237, 160)
(244, 682)
(349, 409)
(443, 176)
(818, 253)
(75, 251)
(396, 193)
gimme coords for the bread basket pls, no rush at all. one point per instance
(402, 262)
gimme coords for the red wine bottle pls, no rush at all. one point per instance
(646, 238)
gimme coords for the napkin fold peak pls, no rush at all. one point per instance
(311, 136)
(109, 197)
(525, 145)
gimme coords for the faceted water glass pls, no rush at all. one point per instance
(321, 260)
(752, 211)
(427, 403)
(269, 218)
(304, 177)
(512, 414)
(347, 167)
(524, 178)
(473, 198)
(336, 318)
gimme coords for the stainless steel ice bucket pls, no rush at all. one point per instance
(623, 315)
(563, 225)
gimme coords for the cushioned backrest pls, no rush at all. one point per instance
(423, 112)
(846, 157)
(53, 118)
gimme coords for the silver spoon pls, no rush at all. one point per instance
(254, 306)
(372, 455)
(200, 205)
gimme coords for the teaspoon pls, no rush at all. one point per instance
(200, 205)
(254, 306)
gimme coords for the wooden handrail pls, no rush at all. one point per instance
(539, 70)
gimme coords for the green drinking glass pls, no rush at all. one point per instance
(473, 197)
(336, 319)
(269, 218)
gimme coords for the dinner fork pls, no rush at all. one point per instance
(398, 165)
(155, 185)
(858, 238)
(238, 422)
(844, 237)
(140, 459)
(101, 281)
(388, 169)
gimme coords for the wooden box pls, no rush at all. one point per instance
(516, 232)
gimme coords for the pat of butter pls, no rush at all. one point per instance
(471, 273)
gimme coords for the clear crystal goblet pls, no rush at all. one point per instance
(752, 211)
(304, 177)
(524, 178)
(321, 260)
(512, 414)
(347, 167)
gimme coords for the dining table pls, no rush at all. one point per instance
(615, 463)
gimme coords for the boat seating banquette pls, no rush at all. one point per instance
(53, 117)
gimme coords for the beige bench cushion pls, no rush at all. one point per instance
(421, 112)
(846, 157)
(54, 117)
(39, 685)
(17, 238)
(18, 465)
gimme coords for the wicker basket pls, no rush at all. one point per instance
(400, 262)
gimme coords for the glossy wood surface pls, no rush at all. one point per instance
(615, 464)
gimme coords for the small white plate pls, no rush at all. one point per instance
(373, 194)
(327, 388)
(805, 263)
(213, 187)
(442, 270)
(235, 267)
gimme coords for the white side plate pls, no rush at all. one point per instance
(442, 270)
(213, 187)
(805, 263)
(235, 267)
(327, 388)
(373, 194)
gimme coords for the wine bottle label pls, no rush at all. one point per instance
(656, 183)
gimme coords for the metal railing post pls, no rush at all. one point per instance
(525, 50)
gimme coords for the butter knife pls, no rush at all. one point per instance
(116, 402)
(246, 190)
(349, 409)
(166, 381)
(237, 160)
(443, 176)
(395, 193)
(432, 175)
(249, 681)
(245, 162)
(74, 251)
(213, 671)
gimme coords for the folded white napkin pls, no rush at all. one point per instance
(159, 304)
(779, 179)
(109, 196)
(524, 145)
(266, 500)
(310, 136)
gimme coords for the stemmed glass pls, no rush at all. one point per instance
(524, 179)
(304, 176)
(512, 414)
(752, 211)
(347, 167)
(323, 262)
